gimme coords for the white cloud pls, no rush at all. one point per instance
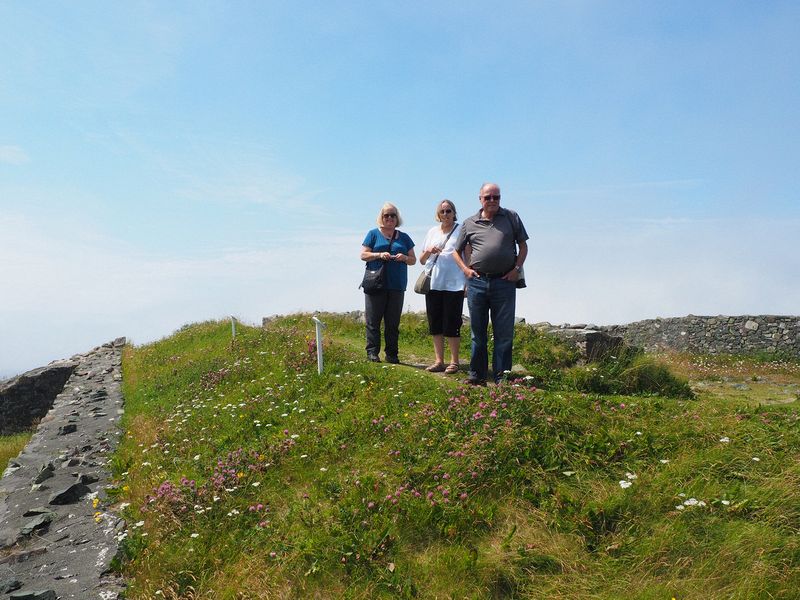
(13, 155)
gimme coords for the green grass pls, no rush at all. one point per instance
(10, 446)
(250, 476)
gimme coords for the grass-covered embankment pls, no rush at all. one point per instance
(250, 476)
(11, 445)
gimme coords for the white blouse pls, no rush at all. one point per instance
(446, 275)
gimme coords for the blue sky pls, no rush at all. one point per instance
(169, 162)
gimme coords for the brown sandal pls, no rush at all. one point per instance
(451, 368)
(435, 368)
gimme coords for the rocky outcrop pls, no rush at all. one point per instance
(589, 340)
(745, 334)
(26, 398)
(57, 536)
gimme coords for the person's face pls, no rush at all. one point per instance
(446, 213)
(490, 199)
(389, 217)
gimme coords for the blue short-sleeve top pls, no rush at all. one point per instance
(396, 272)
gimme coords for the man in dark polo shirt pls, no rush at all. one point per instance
(497, 240)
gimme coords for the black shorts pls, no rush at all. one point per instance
(444, 312)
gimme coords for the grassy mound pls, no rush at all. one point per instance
(245, 474)
(11, 445)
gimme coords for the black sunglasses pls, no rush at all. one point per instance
(445, 211)
(495, 198)
(390, 216)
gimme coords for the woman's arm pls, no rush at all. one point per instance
(411, 258)
(367, 254)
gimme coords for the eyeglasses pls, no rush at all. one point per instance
(390, 216)
(490, 197)
(445, 211)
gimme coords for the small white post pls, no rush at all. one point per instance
(319, 326)
(233, 327)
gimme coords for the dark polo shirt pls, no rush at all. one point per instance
(494, 243)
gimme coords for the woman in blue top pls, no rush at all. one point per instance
(387, 244)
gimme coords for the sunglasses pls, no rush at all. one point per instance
(445, 211)
(390, 216)
(495, 198)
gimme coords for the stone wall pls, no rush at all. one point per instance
(59, 532)
(743, 334)
(26, 398)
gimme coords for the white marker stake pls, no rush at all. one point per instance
(320, 326)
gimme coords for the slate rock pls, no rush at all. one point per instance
(68, 428)
(87, 478)
(39, 522)
(39, 510)
(69, 495)
(34, 595)
(9, 585)
(45, 472)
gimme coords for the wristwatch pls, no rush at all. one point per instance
(518, 268)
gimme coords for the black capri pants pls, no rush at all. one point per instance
(444, 312)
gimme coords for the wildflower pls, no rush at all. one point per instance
(195, 535)
(664, 461)
(756, 459)
(625, 484)
(630, 475)
(725, 439)
(726, 502)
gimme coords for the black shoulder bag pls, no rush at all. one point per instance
(374, 280)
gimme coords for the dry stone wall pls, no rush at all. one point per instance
(744, 334)
(26, 398)
(58, 534)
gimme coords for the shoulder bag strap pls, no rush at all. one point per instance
(435, 258)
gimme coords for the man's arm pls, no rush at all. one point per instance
(513, 274)
(470, 273)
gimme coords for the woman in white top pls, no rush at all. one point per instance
(445, 301)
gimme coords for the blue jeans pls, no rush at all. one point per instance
(495, 299)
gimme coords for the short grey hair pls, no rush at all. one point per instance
(487, 184)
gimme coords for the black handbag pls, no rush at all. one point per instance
(374, 280)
